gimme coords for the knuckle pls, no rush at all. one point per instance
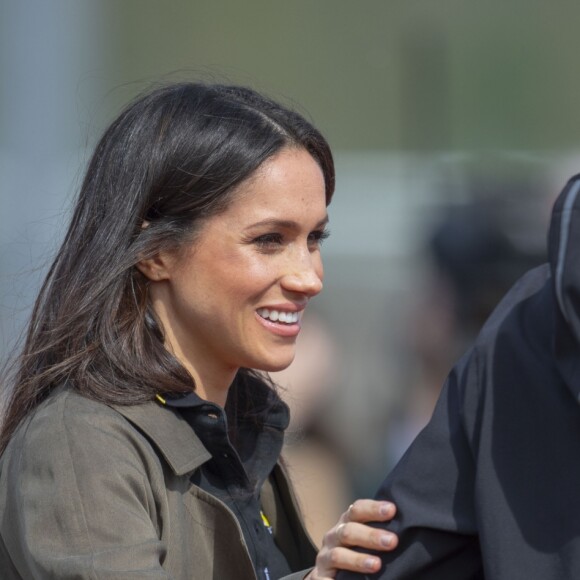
(344, 534)
(353, 509)
(334, 557)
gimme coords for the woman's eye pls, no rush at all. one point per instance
(316, 238)
(267, 241)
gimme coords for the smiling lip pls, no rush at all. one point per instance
(283, 321)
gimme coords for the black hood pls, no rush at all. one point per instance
(564, 253)
(564, 256)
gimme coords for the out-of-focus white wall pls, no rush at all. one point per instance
(49, 63)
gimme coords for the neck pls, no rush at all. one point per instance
(214, 391)
(211, 384)
(212, 380)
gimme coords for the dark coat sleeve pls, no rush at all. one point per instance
(433, 488)
(472, 490)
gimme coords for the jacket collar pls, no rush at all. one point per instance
(176, 440)
(171, 434)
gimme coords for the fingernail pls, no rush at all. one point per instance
(386, 540)
(386, 509)
(370, 563)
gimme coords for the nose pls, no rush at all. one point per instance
(304, 275)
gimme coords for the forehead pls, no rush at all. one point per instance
(291, 179)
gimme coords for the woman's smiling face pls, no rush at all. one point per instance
(234, 297)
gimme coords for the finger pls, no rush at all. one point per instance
(355, 534)
(340, 558)
(370, 510)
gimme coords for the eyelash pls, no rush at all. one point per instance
(320, 235)
(270, 241)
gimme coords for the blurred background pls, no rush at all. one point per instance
(454, 125)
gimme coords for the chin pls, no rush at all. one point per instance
(273, 366)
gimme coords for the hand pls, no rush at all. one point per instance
(351, 531)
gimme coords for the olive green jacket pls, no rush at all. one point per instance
(88, 491)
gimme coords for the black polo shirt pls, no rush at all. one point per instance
(240, 464)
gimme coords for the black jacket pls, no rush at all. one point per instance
(491, 487)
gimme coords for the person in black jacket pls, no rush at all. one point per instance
(490, 488)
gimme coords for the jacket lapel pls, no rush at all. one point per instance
(171, 434)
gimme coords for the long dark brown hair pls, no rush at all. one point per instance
(171, 159)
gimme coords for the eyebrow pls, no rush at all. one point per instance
(286, 224)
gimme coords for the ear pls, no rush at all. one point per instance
(156, 268)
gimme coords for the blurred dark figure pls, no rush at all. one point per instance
(475, 252)
(477, 261)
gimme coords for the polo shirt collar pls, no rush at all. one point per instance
(266, 406)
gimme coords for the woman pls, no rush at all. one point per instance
(137, 442)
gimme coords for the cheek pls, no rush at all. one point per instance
(225, 279)
(240, 280)
(252, 273)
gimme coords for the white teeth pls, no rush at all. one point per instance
(279, 316)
